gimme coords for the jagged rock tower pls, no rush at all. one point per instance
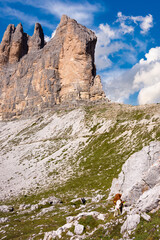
(35, 75)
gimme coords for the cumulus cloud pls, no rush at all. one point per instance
(114, 38)
(115, 84)
(143, 77)
(47, 38)
(150, 94)
(145, 23)
(147, 78)
(105, 34)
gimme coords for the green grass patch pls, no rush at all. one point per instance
(89, 222)
(149, 230)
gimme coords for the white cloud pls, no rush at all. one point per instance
(115, 85)
(150, 94)
(47, 38)
(104, 35)
(145, 23)
(113, 39)
(147, 78)
(82, 12)
(110, 41)
(126, 29)
(144, 77)
(153, 55)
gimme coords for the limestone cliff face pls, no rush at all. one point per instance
(35, 75)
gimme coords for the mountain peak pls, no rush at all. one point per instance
(35, 76)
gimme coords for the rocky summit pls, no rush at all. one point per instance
(35, 75)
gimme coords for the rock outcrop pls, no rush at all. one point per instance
(139, 183)
(140, 174)
(35, 76)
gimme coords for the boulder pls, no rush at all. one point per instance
(79, 228)
(131, 223)
(149, 200)
(4, 219)
(145, 216)
(6, 208)
(101, 217)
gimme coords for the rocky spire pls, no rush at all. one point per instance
(37, 40)
(18, 46)
(15, 43)
(5, 44)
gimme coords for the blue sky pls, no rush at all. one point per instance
(127, 52)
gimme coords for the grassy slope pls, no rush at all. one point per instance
(99, 162)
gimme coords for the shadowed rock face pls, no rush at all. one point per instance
(18, 46)
(36, 42)
(6, 44)
(35, 76)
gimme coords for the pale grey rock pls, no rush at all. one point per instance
(66, 226)
(51, 200)
(101, 217)
(79, 228)
(145, 216)
(140, 173)
(24, 206)
(149, 200)
(97, 198)
(131, 223)
(34, 207)
(5, 208)
(139, 183)
(48, 235)
(3, 219)
(57, 233)
(69, 233)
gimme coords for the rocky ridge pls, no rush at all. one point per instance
(35, 75)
